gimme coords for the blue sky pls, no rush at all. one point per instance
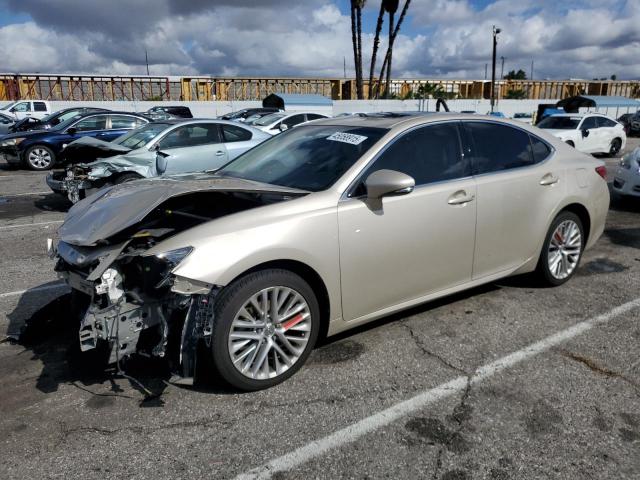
(439, 39)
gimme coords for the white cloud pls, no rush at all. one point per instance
(450, 38)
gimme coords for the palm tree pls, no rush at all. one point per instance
(376, 45)
(356, 39)
(393, 32)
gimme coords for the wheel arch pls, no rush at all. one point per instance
(308, 274)
(582, 213)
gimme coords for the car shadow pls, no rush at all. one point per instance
(13, 207)
(50, 335)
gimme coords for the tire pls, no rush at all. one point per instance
(570, 143)
(39, 158)
(127, 177)
(557, 276)
(303, 325)
(616, 145)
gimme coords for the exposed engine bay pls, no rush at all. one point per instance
(135, 304)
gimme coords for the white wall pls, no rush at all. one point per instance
(217, 108)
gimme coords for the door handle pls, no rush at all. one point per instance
(219, 153)
(549, 179)
(460, 197)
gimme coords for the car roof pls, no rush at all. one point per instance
(579, 115)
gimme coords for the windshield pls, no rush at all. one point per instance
(58, 117)
(269, 119)
(8, 106)
(68, 121)
(560, 123)
(308, 157)
(139, 137)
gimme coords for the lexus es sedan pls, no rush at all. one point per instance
(322, 228)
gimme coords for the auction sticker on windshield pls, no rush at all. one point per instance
(351, 138)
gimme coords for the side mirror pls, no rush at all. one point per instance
(585, 133)
(72, 130)
(388, 182)
(282, 127)
(162, 160)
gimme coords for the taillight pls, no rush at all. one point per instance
(602, 171)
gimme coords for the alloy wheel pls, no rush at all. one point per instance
(615, 147)
(39, 158)
(269, 333)
(565, 247)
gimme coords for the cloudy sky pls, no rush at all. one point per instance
(440, 38)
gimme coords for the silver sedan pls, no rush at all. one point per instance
(325, 227)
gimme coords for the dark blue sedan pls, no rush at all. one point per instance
(40, 150)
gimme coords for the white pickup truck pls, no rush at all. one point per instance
(27, 108)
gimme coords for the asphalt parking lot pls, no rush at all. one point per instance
(507, 381)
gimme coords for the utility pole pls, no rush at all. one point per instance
(344, 66)
(531, 75)
(146, 59)
(485, 71)
(496, 31)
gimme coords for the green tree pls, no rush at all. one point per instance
(513, 75)
(516, 94)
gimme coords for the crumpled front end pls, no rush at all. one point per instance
(82, 179)
(135, 302)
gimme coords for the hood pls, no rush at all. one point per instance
(86, 149)
(27, 134)
(116, 208)
(140, 163)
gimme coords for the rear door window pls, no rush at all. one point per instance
(39, 106)
(496, 147)
(123, 122)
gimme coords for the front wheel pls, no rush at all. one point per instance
(266, 324)
(562, 250)
(39, 157)
(127, 177)
(616, 145)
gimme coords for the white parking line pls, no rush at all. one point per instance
(56, 286)
(52, 222)
(351, 433)
(8, 195)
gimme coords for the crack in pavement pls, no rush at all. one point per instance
(599, 369)
(420, 344)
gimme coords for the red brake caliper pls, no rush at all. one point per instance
(293, 321)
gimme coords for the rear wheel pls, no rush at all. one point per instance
(39, 157)
(266, 324)
(562, 249)
(616, 145)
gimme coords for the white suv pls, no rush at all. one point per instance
(589, 132)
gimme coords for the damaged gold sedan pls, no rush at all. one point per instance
(325, 227)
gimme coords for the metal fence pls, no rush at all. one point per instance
(206, 88)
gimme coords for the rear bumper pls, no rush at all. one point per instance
(626, 182)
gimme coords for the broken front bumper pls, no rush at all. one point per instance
(62, 182)
(137, 306)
